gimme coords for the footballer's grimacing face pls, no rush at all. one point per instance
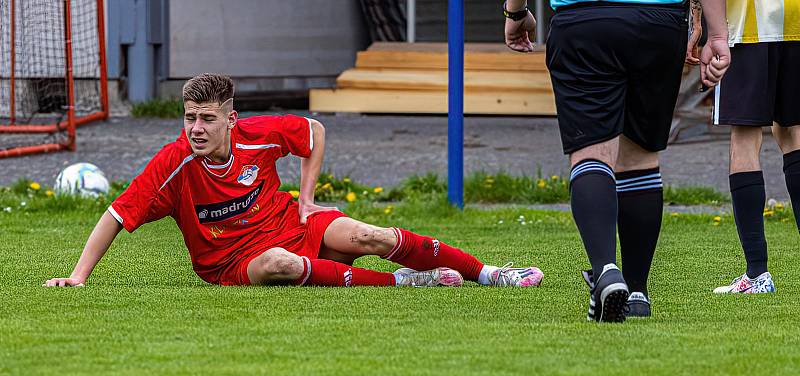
(208, 126)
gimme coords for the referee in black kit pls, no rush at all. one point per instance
(616, 70)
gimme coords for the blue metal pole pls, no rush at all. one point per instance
(455, 102)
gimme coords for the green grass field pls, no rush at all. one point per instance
(145, 312)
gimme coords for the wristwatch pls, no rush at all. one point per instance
(516, 16)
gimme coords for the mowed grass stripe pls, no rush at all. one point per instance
(144, 310)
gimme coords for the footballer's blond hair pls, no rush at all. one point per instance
(208, 88)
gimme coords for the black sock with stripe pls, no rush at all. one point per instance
(791, 171)
(641, 204)
(748, 197)
(593, 199)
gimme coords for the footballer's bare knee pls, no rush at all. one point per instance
(745, 149)
(606, 152)
(788, 138)
(274, 266)
(372, 239)
(634, 157)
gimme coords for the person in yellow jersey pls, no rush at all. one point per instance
(760, 89)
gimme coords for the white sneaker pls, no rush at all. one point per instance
(744, 285)
(428, 278)
(516, 277)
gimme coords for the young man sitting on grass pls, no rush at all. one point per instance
(219, 182)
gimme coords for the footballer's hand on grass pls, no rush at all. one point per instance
(714, 61)
(692, 51)
(63, 282)
(307, 209)
(519, 34)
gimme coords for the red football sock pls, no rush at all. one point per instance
(423, 253)
(321, 272)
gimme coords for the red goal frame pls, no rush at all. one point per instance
(69, 125)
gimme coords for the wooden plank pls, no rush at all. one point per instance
(429, 102)
(514, 62)
(477, 56)
(436, 47)
(393, 79)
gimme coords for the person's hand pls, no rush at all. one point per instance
(307, 209)
(519, 34)
(63, 282)
(714, 60)
(692, 51)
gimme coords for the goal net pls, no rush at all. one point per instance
(52, 73)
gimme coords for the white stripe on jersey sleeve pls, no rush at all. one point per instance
(115, 214)
(256, 146)
(310, 135)
(172, 175)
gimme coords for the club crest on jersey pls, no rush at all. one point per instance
(248, 175)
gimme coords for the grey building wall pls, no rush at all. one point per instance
(483, 20)
(264, 38)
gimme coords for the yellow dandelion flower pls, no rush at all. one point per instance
(35, 186)
(554, 177)
(768, 213)
(346, 180)
(779, 206)
(327, 186)
(295, 194)
(351, 196)
(388, 209)
(674, 214)
(541, 183)
(717, 219)
(49, 193)
(378, 190)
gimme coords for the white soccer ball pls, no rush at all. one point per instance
(83, 179)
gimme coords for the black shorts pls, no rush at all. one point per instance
(616, 69)
(762, 85)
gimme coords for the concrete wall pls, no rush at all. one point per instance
(264, 38)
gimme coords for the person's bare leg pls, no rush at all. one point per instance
(347, 236)
(745, 149)
(788, 139)
(352, 237)
(279, 266)
(275, 266)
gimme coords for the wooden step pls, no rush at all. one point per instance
(396, 79)
(430, 102)
(425, 56)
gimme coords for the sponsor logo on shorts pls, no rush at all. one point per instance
(435, 248)
(223, 210)
(248, 175)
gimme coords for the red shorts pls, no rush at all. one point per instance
(305, 240)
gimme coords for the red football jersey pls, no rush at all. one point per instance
(224, 211)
